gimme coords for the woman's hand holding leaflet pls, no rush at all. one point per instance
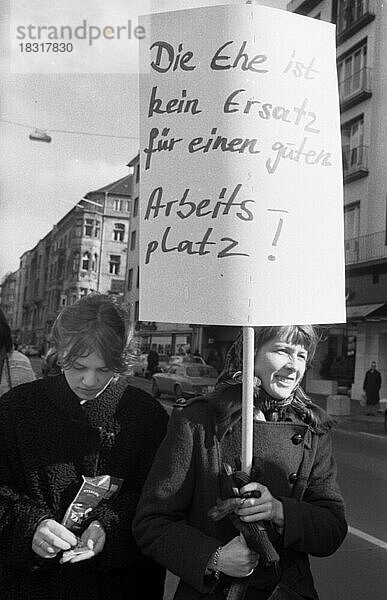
(51, 537)
(93, 538)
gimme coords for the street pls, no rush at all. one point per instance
(358, 570)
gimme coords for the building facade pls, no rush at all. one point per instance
(8, 290)
(361, 43)
(165, 338)
(85, 251)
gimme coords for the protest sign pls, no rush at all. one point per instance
(241, 181)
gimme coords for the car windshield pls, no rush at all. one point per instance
(201, 371)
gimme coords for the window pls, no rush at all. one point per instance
(114, 264)
(138, 173)
(133, 240)
(352, 72)
(97, 229)
(375, 277)
(349, 12)
(86, 261)
(89, 224)
(83, 292)
(351, 221)
(136, 310)
(352, 136)
(75, 262)
(119, 232)
(117, 205)
(138, 277)
(78, 227)
(135, 207)
(351, 232)
(130, 279)
(94, 263)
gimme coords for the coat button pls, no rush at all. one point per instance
(293, 477)
(297, 439)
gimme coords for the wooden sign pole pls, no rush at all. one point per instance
(247, 399)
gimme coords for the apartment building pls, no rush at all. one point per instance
(361, 42)
(8, 289)
(165, 338)
(84, 252)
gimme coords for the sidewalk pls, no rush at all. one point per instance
(357, 419)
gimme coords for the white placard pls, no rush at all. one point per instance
(241, 179)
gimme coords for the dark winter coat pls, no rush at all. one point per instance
(172, 526)
(371, 386)
(47, 442)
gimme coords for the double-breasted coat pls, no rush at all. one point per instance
(296, 464)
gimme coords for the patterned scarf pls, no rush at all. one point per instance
(272, 408)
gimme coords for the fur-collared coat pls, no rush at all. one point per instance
(47, 442)
(171, 523)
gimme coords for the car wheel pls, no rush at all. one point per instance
(155, 389)
(178, 392)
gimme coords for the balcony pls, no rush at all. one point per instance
(354, 15)
(355, 163)
(366, 248)
(355, 89)
(302, 7)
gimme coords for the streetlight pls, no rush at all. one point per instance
(40, 136)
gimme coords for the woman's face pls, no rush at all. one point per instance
(88, 375)
(280, 365)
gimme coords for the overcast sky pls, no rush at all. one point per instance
(39, 182)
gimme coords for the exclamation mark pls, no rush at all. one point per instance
(276, 237)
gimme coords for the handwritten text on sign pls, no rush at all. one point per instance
(241, 168)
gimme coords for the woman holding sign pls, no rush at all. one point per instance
(75, 449)
(201, 521)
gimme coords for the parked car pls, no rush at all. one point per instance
(184, 380)
(186, 358)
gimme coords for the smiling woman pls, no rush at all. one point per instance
(183, 523)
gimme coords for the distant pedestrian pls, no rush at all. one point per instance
(153, 362)
(15, 368)
(371, 386)
(215, 360)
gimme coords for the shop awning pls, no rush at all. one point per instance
(361, 311)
